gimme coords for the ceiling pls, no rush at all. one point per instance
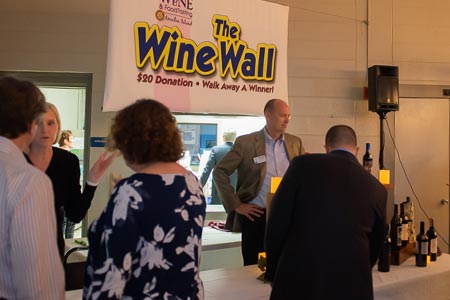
(56, 6)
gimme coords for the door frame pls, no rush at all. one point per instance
(65, 79)
(70, 80)
(418, 91)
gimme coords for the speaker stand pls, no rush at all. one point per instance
(382, 115)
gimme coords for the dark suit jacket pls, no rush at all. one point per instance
(250, 175)
(325, 229)
(216, 155)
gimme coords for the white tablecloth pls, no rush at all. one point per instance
(410, 282)
(403, 282)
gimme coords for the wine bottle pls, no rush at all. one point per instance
(421, 247)
(367, 159)
(405, 228)
(410, 214)
(396, 227)
(384, 259)
(432, 241)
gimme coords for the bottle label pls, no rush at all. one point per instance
(368, 165)
(422, 247)
(412, 231)
(405, 232)
(433, 245)
(399, 235)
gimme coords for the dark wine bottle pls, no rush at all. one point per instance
(384, 259)
(396, 227)
(432, 241)
(367, 159)
(421, 247)
(405, 226)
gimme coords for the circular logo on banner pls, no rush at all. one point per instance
(159, 15)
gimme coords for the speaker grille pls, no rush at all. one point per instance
(383, 88)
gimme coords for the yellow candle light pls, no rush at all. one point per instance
(274, 183)
(262, 262)
(385, 176)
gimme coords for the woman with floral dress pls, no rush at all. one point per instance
(146, 243)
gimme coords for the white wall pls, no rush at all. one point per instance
(328, 57)
(327, 70)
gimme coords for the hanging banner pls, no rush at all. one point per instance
(197, 56)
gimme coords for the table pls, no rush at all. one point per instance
(213, 239)
(223, 284)
(219, 249)
(402, 282)
(410, 282)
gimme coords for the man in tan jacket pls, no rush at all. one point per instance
(257, 157)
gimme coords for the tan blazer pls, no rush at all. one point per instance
(251, 174)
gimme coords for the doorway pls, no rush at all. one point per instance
(422, 139)
(71, 94)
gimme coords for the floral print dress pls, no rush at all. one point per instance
(146, 243)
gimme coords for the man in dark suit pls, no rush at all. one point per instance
(326, 225)
(257, 157)
(216, 155)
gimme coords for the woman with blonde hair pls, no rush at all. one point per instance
(63, 168)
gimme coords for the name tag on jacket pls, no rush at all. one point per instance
(259, 159)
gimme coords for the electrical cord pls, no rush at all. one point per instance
(409, 182)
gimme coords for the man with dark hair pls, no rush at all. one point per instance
(326, 225)
(30, 267)
(257, 157)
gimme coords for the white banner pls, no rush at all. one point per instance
(198, 56)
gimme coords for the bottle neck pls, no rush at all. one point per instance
(432, 222)
(422, 228)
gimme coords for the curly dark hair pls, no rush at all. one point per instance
(21, 102)
(145, 132)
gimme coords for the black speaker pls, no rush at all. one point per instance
(383, 88)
